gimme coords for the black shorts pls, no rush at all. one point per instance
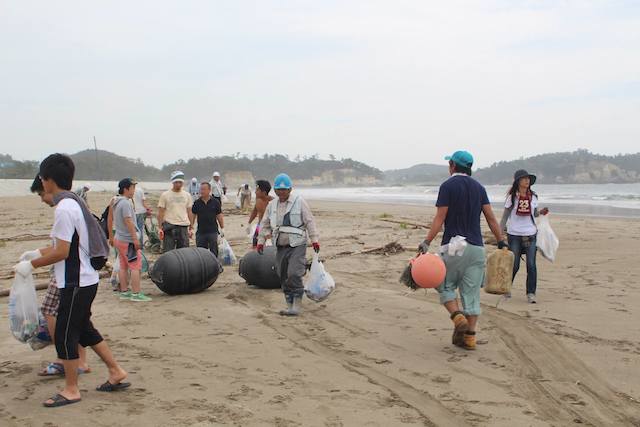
(73, 324)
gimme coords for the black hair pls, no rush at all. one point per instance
(460, 169)
(514, 189)
(59, 168)
(246, 186)
(36, 185)
(263, 185)
(207, 183)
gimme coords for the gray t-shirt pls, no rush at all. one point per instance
(123, 208)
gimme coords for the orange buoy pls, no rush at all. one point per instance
(428, 270)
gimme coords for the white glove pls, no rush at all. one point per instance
(23, 268)
(222, 232)
(30, 255)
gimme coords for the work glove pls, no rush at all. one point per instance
(502, 244)
(260, 248)
(30, 255)
(316, 247)
(423, 247)
(23, 268)
(544, 211)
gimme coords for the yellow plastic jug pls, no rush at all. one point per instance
(499, 274)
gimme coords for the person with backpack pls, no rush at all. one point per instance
(51, 300)
(518, 220)
(79, 248)
(127, 243)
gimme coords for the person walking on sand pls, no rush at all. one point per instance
(245, 197)
(78, 241)
(208, 213)
(218, 189)
(520, 209)
(290, 224)
(51, 300)
(174, 215)
(263, 187)
(127, 243)
(142, 210)
(82, 192)
(194, 189)
(461, 201)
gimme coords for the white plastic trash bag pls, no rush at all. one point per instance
(23, 308)
(319, 284)
(225, 253)
(547, 241)
(238, 202)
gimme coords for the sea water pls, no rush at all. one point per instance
(574, 199)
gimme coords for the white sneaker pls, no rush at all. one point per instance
(531, 298)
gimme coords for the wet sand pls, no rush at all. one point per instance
(375, 353)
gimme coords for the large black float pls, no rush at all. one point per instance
(185, 271)
(260, 270)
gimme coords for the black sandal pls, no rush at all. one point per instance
(59, 400)
(108, 387)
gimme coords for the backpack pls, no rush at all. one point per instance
(102, 221)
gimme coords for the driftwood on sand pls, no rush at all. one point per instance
(388, 249)
(25, 237)
(405, 223)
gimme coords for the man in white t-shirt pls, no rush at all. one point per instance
(76, 278)
(142, 210)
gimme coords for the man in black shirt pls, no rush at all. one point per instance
(208, 214)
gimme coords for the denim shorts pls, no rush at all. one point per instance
(466, 274)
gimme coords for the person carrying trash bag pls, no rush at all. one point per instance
(461, 200)
(290, 223)
(518, 220)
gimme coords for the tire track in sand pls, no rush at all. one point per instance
(423, 403)
(556, 381)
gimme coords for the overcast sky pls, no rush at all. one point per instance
(391, 83)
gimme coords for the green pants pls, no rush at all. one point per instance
(466, 274)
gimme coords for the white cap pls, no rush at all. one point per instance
(177, 176)
(194, 179)
(87, 186)
(216, 174)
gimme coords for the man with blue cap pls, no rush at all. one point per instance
(290, 223)
(461, 201)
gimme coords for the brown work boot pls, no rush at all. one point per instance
(460, 327)
(469, 340)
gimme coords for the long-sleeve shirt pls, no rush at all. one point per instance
(308, 221)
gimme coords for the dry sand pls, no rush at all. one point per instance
(374, 354)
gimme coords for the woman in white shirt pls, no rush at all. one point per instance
(521, 207)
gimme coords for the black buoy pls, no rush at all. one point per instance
(185, 271)
(260, 270)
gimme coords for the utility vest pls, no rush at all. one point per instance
(290, 224)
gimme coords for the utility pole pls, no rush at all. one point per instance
(95, 146)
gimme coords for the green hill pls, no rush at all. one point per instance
(421, 174)
(577, 167)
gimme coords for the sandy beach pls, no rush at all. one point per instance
(374, 354)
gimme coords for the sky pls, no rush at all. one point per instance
(389, 83)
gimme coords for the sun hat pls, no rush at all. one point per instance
(216, 174)
(461, 158)
(521, 173)
(177, 176)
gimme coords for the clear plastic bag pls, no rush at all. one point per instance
(319, 284)
(547, 241)
(23, 308)
(42, 338)
(225, 253)
(238, 205)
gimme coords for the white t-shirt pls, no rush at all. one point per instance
(138, 200)
(519, 225)
(76, 270)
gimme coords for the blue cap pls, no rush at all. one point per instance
(461, 158)
(282, 182)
